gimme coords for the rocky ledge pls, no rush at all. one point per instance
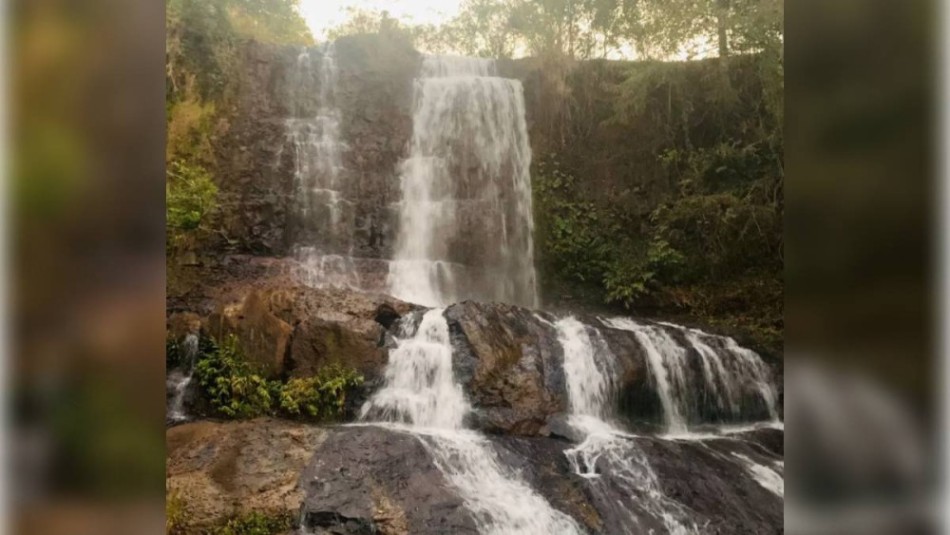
(378, 480)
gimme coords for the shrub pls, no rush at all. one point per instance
(323, 396)
(236, 390)
(233, 388)
(255, 523)
(190, 196)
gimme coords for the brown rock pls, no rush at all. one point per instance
(180, 324)
(220, 470)
(264, 338)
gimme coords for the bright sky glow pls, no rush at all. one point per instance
(322, 15)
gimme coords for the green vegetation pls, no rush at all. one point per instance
(236, 389)
(694, 225)
(190, 201)
(203, 44)
(176, 515)
(256, 523)
(322, 396)
(230, 383)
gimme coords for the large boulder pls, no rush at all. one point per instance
(370, 480)
(287, 328)
(509, 362)
(263, 337)
(217, 471)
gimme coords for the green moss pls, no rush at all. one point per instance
(257, 523)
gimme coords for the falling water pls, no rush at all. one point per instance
(179, 380)
(734, 380)
(731, 378)
(588, 368)
(420, 390)
(322, 212)
(465, 220)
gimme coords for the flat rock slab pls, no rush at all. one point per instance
(218, 470)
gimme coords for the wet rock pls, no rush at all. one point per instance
(216, 471)
(368, 480)
(717, 486)
(509, 364)
(355, 485)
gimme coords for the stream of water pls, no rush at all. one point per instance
(465, 220)
(420, 390)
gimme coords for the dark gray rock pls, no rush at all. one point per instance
(365, 480)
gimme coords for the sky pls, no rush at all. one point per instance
(322, 15)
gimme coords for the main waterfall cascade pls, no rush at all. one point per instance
(420, 390)
(465, 220)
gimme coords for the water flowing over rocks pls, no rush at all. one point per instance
(358, 169)
(520, 391)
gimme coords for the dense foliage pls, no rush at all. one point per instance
(697, 231)
(203, 40)
(236, 389)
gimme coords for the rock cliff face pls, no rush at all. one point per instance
(255, 168)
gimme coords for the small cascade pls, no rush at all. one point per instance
(323, 215)
(465, 219)
(730, 379)
(606, 449)
(702, 378)
(420, 391)
(179, 380)
(770, 479)
(420, 386)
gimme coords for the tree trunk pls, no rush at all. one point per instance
(721, 23)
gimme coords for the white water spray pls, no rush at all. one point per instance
(420, 390)
(465, 216)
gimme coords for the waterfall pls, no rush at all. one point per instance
(734, 382)
(323, 215)
(420, 390)
(180, 380)
(465, 219)
(605, 449)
